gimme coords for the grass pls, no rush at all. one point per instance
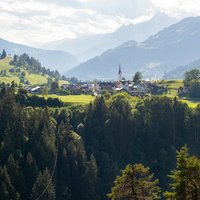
(78, 99)
(4, 63)
(190, 103)
(63, 82)
(35, 79)
(173, 86)
(9, 79)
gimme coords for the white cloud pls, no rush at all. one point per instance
(35, 21)
(178, 8)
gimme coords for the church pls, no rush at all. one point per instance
(121, 83)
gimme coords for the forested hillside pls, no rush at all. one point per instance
(52, 59)
(76, 152)
(26, 70)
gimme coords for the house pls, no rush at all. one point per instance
(64, 86)
(109, 86)
(97, 88)
(35, 90)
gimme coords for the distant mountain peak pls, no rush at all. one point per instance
(87, 47)
(173, 46)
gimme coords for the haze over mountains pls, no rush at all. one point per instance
(172, 50)
(52, 59)
(86, 47)
(179, 72)
(172, 47)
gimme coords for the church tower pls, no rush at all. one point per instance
(119, 73)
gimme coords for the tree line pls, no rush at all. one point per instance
(33, 65)
(78, 150)
(192, 83)
(136, 181)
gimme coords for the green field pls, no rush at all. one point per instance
(190, 103)
(4, 63)
(173, 86)
(35, 79)
(172, 91)
(79, 99)
(9, 79)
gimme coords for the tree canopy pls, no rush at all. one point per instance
(135, 182)
(137, 78)
(185, 178)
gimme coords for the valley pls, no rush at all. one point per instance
(100, 100)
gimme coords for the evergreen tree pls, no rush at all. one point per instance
(137, 78)
(16, 176)
(135, 183)
(30, 172)
(185, 178)
(43, 187)
(7, 191)
(3, 55)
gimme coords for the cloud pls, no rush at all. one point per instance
(39, 21)
(178, 8)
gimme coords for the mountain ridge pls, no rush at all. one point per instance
(90, 46)
(160, 53)
(52, 59)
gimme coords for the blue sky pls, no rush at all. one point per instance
(39, 21)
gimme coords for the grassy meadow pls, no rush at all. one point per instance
(34, 79)
(76, 99)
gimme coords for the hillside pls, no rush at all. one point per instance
(52, 59)
(86, 47)
(180, 71)
(163, 52)
(7, 76)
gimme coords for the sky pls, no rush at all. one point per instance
(34, 22)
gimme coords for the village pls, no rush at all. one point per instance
(140, 88)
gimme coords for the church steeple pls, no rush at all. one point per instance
(120, 73)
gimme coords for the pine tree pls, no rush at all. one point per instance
(7, 191)
(135, 183)
(16, 176)
(43, 187)
(185, 178)
(3, 55)
(30, 171)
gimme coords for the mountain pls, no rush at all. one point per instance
(179, 72)
(52, 59)
(89, 46)
(30, 72)
(174, 46)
